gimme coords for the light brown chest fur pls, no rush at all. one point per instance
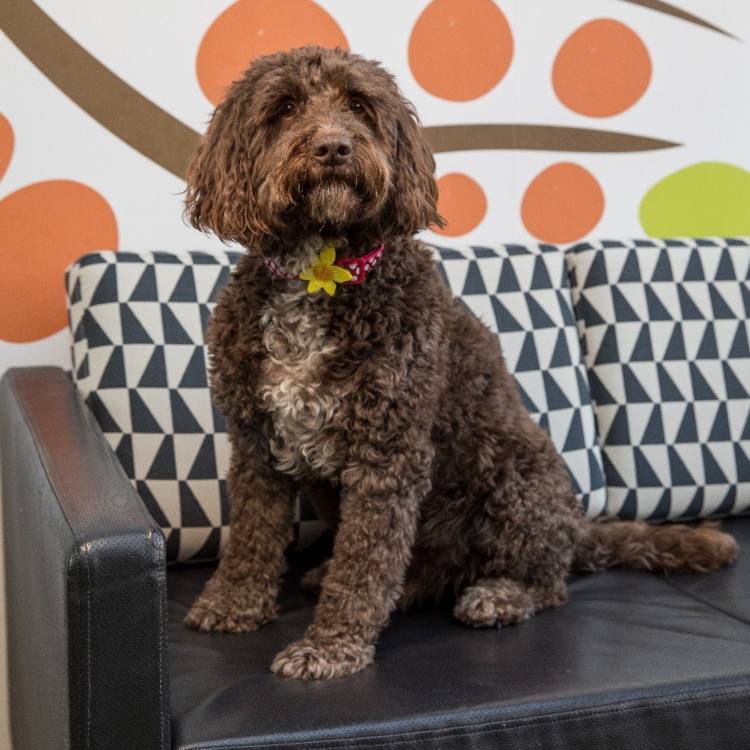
(294, 388)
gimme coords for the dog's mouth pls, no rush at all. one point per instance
(333, 197)
(339, 177)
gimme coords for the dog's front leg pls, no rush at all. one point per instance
(241, 594)
(381, 493)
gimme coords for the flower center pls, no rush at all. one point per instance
(322, 272)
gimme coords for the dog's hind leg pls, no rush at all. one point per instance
(524, 533)
(491, 602)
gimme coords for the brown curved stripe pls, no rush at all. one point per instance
(537, 138)
(96, 89)
(683, 15)
(169, 142)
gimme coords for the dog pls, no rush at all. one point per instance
(345, 369)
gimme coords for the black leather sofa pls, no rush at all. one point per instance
(99, 658)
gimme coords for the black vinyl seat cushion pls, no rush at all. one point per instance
(632, 661)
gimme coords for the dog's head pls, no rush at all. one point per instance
(312, 140)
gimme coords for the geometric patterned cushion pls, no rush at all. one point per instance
(665, 326)
(139, 361)
(523, 294)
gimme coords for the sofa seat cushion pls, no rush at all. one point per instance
(665, 326)
(633, 660)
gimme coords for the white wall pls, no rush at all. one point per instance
(695, 97)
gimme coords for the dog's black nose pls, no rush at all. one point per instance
(331, 150)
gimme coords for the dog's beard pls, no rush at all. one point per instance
(332, 201)
(297, 194)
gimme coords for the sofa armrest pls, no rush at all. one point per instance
(86, 578)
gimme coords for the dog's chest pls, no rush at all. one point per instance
(295, 387)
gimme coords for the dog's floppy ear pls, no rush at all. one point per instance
(413, 202)
(220, 195)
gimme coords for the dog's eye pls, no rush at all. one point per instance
(288, 109)
(356, 106)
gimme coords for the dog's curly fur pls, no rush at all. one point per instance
(388, 403)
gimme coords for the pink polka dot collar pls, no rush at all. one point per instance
(358, 267)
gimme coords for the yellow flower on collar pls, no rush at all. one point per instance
(323, 274)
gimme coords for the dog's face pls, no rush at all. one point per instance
(308, 141)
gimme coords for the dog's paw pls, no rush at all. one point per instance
(224, 608)
(309, 659)
(485, 607)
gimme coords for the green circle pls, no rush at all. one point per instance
(709, 199)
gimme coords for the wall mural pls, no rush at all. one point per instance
(550, 121)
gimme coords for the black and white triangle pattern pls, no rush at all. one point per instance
(665, 326)
(523, 294)
(139, 361)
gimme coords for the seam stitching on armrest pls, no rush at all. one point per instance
(161, 585)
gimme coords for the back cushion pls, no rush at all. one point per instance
(522, 293)
(140, 362)
(665, 332)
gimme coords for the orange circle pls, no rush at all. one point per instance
(250, 28)
(562, 204)
(601, 69)
(6, 144)
(461, 202)
(44, 227)
(460, 49)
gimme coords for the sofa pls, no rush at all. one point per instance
(632, 354)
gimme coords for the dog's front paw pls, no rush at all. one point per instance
(310, 659)
(226, 608)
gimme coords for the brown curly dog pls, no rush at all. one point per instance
(387, 402)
